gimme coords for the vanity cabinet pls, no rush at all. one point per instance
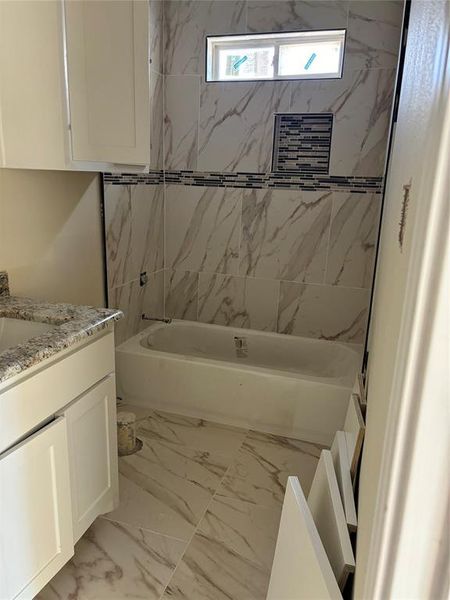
(35, 512)
(58, 461)
(74, 85)
(92, 442)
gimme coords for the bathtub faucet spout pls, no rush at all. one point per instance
(148, 318)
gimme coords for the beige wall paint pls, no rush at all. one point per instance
(51, 235)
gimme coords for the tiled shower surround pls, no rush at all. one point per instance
(221, 238)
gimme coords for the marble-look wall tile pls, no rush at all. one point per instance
(236, 125)
(373, 35)
(238, 301)
(156, 17)
(353, 236)
(181, 295)
(187, 23)
(147, 208)
(156, 120)
(285, 234)
(135, 300)
(291, 15)
(128, 298)
(134, 218)
(153, 298)
(118, 234)
(361, 102)
(323, 312)
(181, 121)
(202, 228)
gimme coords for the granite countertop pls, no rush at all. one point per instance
(75, 323)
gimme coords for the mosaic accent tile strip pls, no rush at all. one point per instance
(305, 181)
(302, 142)
(151, 178)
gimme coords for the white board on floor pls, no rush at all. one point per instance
(341, 464)
(326, 507)
(354, 428)
(301, 569)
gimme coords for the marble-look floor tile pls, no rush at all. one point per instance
(361, 103)
(166, 487)
(373, 35)
(353, 237)
(248, 530)
(211, 571)
(236, 125)
(202, 228)
(285, 234)
(259, 473)
(193, 433)
(114, 561)
(181, 98)
(187, 23)
(292, 15)
(323, 311)
(181, 294)
(237, 301)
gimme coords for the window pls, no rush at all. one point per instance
(299, 55)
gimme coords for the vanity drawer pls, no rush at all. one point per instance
(35, 398)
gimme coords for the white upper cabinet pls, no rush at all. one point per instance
(108, 80)
(74, 84)
(33, 122)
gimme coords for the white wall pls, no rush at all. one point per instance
(51, 235)
(396, 267)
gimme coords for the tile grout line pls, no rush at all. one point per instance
(233, 457)
(152, 531)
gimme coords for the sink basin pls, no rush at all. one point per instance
(18, 331)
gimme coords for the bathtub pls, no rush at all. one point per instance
(287, 385)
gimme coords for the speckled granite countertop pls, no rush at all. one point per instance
(75, 323)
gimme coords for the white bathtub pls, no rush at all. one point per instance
(293, 386)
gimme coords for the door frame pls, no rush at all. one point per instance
(408, 550)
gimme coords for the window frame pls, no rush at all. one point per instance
(269, 39)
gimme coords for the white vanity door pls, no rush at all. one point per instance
(108, 79)
(35, 512)
(92, 436)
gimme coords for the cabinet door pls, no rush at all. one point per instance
(91, 427)
(33, 119)
(35, 512)
(108, 79)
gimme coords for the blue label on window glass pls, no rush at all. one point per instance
(239, 62)
(309, 61)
